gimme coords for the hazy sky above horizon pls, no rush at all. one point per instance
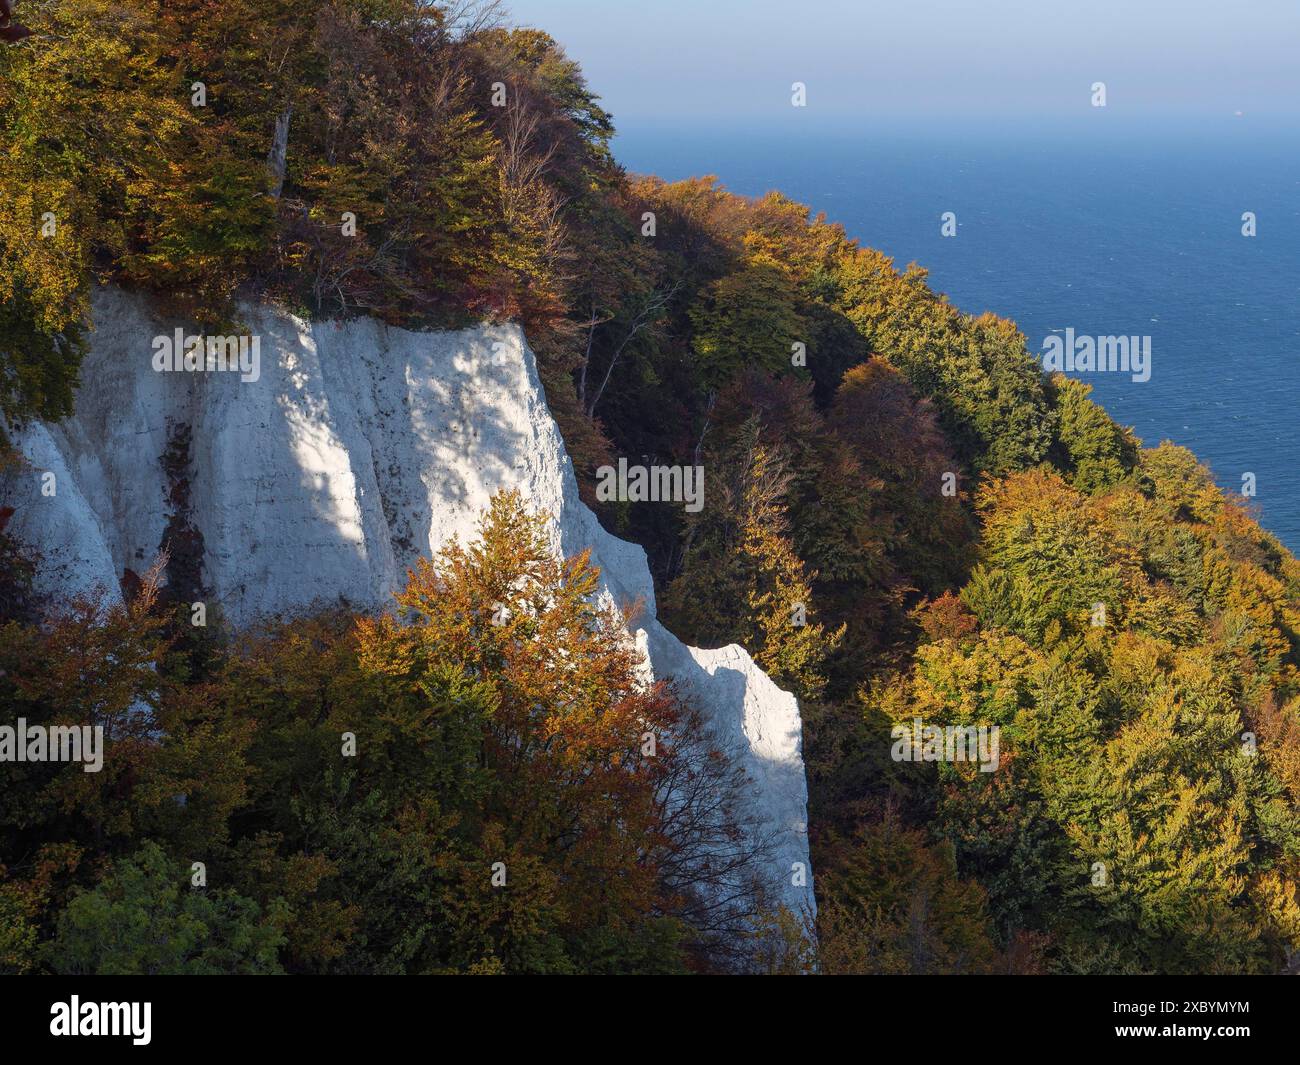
(997, 59)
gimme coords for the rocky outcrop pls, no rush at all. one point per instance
(357, 448)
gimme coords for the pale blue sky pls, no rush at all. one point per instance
(994, 59)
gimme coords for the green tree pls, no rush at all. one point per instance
(746, 318)
(144, 918)
(1094, 451)
(895, 905)
(742, 556)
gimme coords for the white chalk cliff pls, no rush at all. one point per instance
(359, 448)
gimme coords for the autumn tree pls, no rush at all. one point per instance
(741, 554)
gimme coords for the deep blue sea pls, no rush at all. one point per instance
(1108, 230)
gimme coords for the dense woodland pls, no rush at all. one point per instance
(663, 317)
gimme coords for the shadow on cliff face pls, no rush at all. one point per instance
(778, 779)
(741, 865)
(758, 726)
(358, 449)
(433, 424)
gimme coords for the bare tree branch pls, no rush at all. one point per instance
(647, 316)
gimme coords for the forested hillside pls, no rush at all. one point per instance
(904, 518)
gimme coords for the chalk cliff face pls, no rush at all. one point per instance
(358, 448)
